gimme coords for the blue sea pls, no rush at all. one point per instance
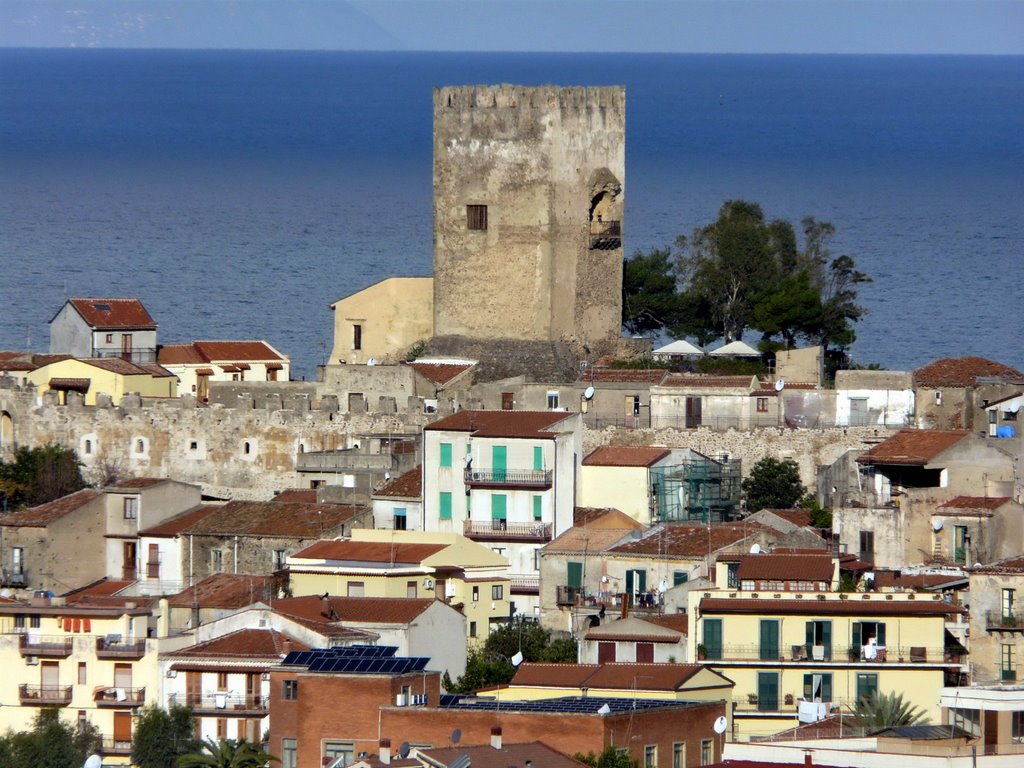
(239, 193)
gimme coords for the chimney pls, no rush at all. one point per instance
(496, 737)
(287, 645)
(325, 606)
(385, 751)
(808, 760)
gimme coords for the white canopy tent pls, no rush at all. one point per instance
(681, 348)
(735, 349)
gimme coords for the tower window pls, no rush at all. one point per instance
(476, 217)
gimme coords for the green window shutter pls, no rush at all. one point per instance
(446, 454)
(679, 577)
(826, 687)
(769, 640)
(446, 505)
(538, 457)
(809, 635)
(808, 687)
(498, 508)
(499, 460)
(826, 639)
(642, 577)
(713, 638)
(856, 636)
(767, 691)
(575, 574)
(537, 508)
(880, 637)
(629, 583)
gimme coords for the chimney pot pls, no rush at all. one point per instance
(385, 751)
(496, 737)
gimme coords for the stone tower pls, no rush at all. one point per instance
(528, 208)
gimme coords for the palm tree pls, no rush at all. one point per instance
(227, 753)
(887, 710)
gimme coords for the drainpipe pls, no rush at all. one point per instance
(236, 554)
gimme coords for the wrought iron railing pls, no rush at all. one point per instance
(115, 648)
(505, 530)
(119, 697)
(38, 645)
(224, 703)
(45, 695)
(1000, 620)
(538, 478)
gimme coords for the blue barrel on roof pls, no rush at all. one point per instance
(1005, 430)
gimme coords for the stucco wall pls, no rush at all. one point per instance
(392, 315)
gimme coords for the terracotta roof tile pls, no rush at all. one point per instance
(786, 567)
(680, 622)
(912, 446)
(579, 539)
(225, 590)
(44, 514)
(795, 516)
(552, 675)
(892, 579)
(623, 375)
(604, 517)
(370, 551)
(407, 486)
(1013, 564)
(525, 424)
(115, 365)
(686, 540)
(269, 518)
(976, 502)
(139, 482)
(101, 588)
(301, 495)
(713, 382)
(69, 383)
(655, 677)
(369, 610)
(179, 354)
(440, 373)
(486, 756)
(235, 351)
(104, 314)
(851, 607)
(962, 372)
(633, 629)
(264, 644)
(625, 456)
(179, 523)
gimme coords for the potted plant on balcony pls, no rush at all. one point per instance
(702, 651)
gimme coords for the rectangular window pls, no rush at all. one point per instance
(769, 640)
(222, 728)
(216, 561)
(1007, 607)
(1017, 727)
(446, 454)
(81, 673)
(536, 559)
(679, 577)
(651, 756)
(289, 753)
(538, 502)
(499, 510)
(356, 589)
(472, 629)
(574, 574)
(109, 338)
(499, 462)
(960, 544)
(762, 405)
(445, 505)
(968, 719)
(17, 560)
(867, 685)
(476, 594)
(712, 638)
(1008, 663)
(335, 749)
(818, 641)
(869, 640)
(34, 621)
(411, 589)
(538, 458)
(357, 336)
(222, 681)
(131, 508)
(497, 592)
(279, 559)
(552, 401)
(400, 519)
(476, 217)
(707, 751)
(867, 546)
(818, 687)
(290, 690)
(679, 754)
(19, 621)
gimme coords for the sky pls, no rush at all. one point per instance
(669, 26)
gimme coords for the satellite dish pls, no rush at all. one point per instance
(1014, 407)
(6, 593)
(780, 385)
(755, 549)
(721, 724)
(372, 361)
(517, 658)
(403, 750)
(456, 736)
(93, 761)
(936, 525)
(604, 710)
(588, 393)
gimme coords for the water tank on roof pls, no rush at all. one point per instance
(1005, 431)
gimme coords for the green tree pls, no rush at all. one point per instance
(821, 517)
(773, 484)
(650, 299)
(887, 710)
(610, 757)
(38, 475)
(52, 743)
(161, 736)
(227, 753)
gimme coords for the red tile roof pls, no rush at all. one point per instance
(713, 382)
(225, 590)
(99, 589)
(370, 551)
(786, 567)
(795, 516)
(680, 622)
(686, 540)
(962, 372)
(302, 495)
(51, 512)
(890, 579)
(440, 373)
(369, 610)
(912, 446)
(625, 456)
(486, 756)
(235, 351)
(139, 482)
(587, 539)
(264, 644)
(113, 314)
(976, 502)
(651, 677)
(623, 375)
(526, 424)
(269, 518)
(179, 523)
(855, 606)
(603, 517)
(179, 354)
(407, 486)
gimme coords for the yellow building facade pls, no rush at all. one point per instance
(383, 321)
(111, 376)
(800, 656)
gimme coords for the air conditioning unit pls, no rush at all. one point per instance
(419, 699)
(172, 673)
(428, 583)
(400, 700)
(32, 661)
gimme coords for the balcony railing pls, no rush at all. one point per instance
(119, 697)
(858, 654)
(605, 234)
(997, 620)
(568, 595)
(114, 746)
(498, 478)
(47, 647)
(10, 577)
(115, 648)
(494, 530)
(44, 695)
(220, 703)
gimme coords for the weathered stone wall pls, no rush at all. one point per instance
(544, 161)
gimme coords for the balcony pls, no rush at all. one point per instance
(111, 647)
(44, 695)
(119, 698)
(535, 479)
(502, 530)
(605, 235)
(998, 622)
(568, 595)
(110, 745)
(13, 577)
(45, 647)
(220, 704)
(844, 655)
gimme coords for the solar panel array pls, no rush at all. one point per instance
(566, 704)
(357, 659)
